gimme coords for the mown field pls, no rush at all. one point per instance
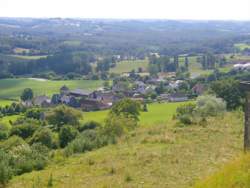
(128, 66)
(158, 113)
(12, 88)
(154, 155)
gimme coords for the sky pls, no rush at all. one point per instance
(131, 9)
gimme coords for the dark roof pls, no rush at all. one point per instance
(177, 95)
(64, 88)
(80, 92)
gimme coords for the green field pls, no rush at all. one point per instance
(157, 155)
(12, 88)
(158, 113)
(128, 66)
(242, 46)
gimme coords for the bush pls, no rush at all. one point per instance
(209, 106)
(43, 136)
(63, 115)
(24, 130)
(67, 134)
(184, 113)
(4, 132)
(34, 113)
(11, 143)
(89, 125)
(86, 141)
(6, 171)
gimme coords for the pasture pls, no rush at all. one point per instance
(12, 88)
(158, 113)
(129, 65)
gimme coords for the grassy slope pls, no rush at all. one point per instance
(233, 175)
(12, 88)
(127, 66)
(156, 155)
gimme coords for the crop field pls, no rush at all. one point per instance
(158, 155)
(12, 88)
(128, 66)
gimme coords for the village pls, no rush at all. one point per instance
(152, 90)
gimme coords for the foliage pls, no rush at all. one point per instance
(127, 108)
(43, 136)
(89, 125)
(6, 171)
(34, 113)
(87, 141)
(27, 94)
(24, 128)
(63, 115)
(185, 112)
(209, 106)
(229, 91)
(67, 134)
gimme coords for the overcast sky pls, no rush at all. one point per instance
(163, 9)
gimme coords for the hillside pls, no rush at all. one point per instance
(234, 174)
(154, 155)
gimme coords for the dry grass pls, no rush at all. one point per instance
(152, 156)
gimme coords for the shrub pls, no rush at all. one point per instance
(43, 136)
(184, 113)
(209, 106)
(86, 141)
(89, 125)
(63, 115)
(4, 132)
(6, 171)
(24, 130)
(67, 134)
(11, 143)
(34, 113)
(118, 125)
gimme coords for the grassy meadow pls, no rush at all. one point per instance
(129, 65)
(158, 113)
(12, 88)
(157, 155)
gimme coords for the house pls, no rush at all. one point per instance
(79, 93)
(177, 97)
(42, 100)
(93, 104)
(64, 90)
(27, 103)
(198, 89)
(140, 87)
(163, 97)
